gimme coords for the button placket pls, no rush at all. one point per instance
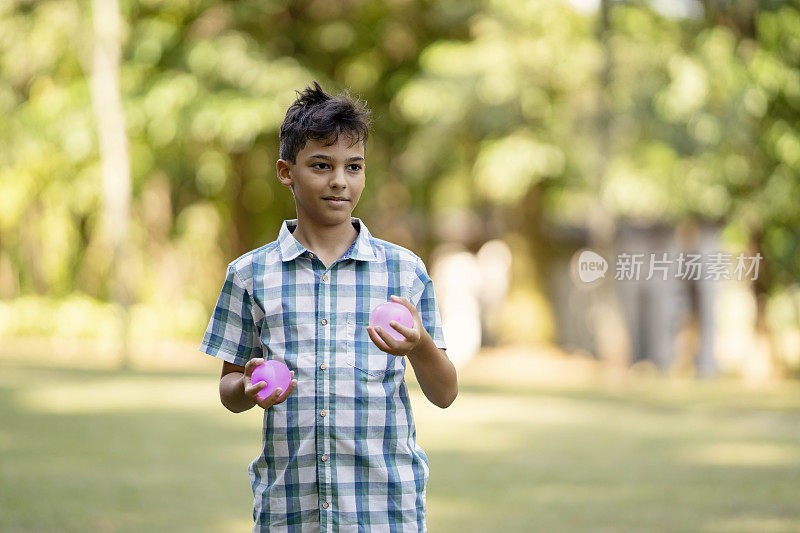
(323, 440)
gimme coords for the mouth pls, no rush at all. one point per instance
(335, 200)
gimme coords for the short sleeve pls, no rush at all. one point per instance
(424, 298)
(232, 334)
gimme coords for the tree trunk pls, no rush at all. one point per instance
(606, 321)
(107, 106)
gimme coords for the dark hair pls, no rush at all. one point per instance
(318, 115)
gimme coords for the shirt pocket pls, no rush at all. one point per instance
(363, 354)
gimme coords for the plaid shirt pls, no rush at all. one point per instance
(340, 454)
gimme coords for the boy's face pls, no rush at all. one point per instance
(322, 172)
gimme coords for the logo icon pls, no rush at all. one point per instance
(591, 266)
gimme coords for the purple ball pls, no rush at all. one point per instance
(275, 373)
(388, 311)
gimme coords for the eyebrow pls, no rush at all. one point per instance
(329, 158)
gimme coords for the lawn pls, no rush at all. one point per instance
(153, 450)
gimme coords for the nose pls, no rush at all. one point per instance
(338, 179)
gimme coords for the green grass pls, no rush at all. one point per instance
(84, 450)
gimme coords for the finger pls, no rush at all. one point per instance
(254, 388)
(404, 301)
(414, 312)
(251, 365)
(377, 340)
(394, 345)
(270, 400)
(289, 390)
(411, 334)
(287, 393)
(248, 376)
(254, 362)
(399, 348)
(401, 300)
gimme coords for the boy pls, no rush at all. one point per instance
(339, 444)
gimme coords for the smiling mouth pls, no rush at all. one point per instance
(336, 199)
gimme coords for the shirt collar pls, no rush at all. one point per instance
(362, 249)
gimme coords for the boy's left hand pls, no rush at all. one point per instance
(388, 344)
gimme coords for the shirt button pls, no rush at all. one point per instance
(322, 413)
(311, 255)
(323, 366)
(324, 505)
(324, 458)
(324, 278)
(323, 321)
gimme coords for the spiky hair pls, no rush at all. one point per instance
(317, 115)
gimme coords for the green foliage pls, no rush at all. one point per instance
(479, 105)
(775, 67)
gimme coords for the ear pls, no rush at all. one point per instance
(283, 169)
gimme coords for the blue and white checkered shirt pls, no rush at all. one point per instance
(340, 454)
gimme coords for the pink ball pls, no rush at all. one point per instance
(275, 373)
(388, 311)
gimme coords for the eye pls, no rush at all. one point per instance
(315, 164)
(357, 167)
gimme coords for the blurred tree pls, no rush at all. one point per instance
(605, 316)
(104, 84)
(770, 206)
(204, 89)
(484, 107)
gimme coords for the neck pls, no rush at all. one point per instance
(323, 239)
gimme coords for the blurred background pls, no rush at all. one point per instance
(138, 142)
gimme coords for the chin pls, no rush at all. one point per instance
(337, 218)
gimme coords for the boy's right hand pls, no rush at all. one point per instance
(250, 389)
